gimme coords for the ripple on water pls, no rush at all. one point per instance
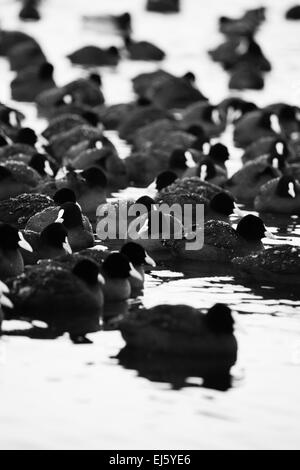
(261, 405)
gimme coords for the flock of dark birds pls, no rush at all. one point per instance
(54, 269)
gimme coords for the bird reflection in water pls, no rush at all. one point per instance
(179, 371)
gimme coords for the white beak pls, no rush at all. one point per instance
(6, 302)
(99, 145)
(67, 247)
(134, 273)
(270, 235)
(60, 217)
(48, 169)
(101, 279)
(149, 260)
(24, 244)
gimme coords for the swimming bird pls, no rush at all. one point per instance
(11, 261)
(17, 211)
(221, 207)
(27, 137)
(10, 38)
(25, 54)
(154, 157)
(138, 118)
(160, 128)
(111, 116)
(278, 265)
(14, 150)
(167, 91)
(181, 330)
(139, 259)
(103, 154)
(293, 13)
(180, 160)
(31, 81)
(95, 56)
(208, 171)
(11, 120)
(143, 50)
(161, 139)
(119, 23)
(22, 150)
(289, 120)
(218, 204)
(206, 116)
(245, 26)
(17, 178)
(245, 184)
(192, 185)
(61, 124)
(279, 196)
(228, 52)
(51, 243)
(254, 57)
(40, 219)
(29, 10)
(79, 236)
(85, 90)
(145, 83)
(270, 146)
(75, 98)
(154, 229)
(57, 102)
(91, 192)
(66, 300)
(222, 242)
(240, 51)
(245, 76)
(4, 302)
(117, 215)
(163, 6)
(162, 181)
(44, 164)
(76, 139)
(88, 185)
(255, 125)
(219, 154)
